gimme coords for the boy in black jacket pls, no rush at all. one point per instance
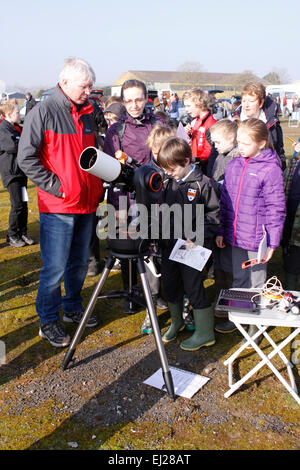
(187, 186)
(13, 178)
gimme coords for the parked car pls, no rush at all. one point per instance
(47, 94)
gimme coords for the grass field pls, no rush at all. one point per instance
(29, 425)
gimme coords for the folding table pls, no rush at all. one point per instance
(264, 319)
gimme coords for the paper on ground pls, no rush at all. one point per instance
(195, 257)
(186, 384)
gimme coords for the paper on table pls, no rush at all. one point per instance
(262, 246)
(24, 194)
(186, 384)
(195, 257)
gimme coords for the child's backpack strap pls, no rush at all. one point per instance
(121, 128)
(120, 131)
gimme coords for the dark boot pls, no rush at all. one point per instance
(225, 326)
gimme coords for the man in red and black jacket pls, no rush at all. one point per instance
(55, 133)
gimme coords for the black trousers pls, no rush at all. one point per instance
(291, 260)
(18, 216)
(179, 279)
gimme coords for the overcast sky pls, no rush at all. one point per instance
(115, 36)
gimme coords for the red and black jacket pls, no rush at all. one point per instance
(201, 147)
(54, 135)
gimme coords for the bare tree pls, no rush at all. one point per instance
(191, 67)
(191, 72)
(245, 77)
(278, 76)
(272, 77)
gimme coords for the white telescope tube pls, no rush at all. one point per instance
(100, 164)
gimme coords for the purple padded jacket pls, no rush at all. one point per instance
(252, 196)
(134, 137)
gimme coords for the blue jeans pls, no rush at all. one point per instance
(64, 242)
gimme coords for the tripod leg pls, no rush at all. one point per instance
(130, 282)
(89, 310)
(156, 331)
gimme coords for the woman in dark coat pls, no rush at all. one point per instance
(255, 104)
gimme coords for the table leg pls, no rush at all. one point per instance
(265, 360)
(288, 364)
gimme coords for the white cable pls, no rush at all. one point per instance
(272, 292)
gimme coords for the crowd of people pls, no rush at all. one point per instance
(282, 105)
(234, 167)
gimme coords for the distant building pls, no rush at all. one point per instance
(180, 81)
(20, 97)
(16, 95)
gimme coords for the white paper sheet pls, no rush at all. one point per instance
(262, 246)
(181, 132)
(190, 254)
(186, 384)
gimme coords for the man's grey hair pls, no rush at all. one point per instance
(74, 68)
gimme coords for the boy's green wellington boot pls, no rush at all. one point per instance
(177, 322)
(204, 333)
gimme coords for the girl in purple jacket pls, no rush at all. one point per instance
(252, 200)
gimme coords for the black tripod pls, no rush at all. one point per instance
(139, 257)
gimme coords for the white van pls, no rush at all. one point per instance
(290, 90)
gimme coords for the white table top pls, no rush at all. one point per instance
(265, 316)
